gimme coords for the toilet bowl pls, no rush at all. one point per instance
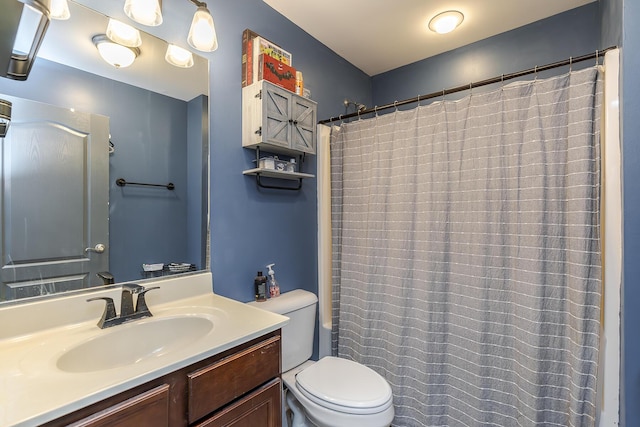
(337, 392)
(332, 392)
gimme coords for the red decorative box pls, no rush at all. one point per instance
(276, 72)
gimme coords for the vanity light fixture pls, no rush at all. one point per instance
(446, 22)
(23, 24)
(123, 34)
(202, 34)
(113, 53)
(145, 12)
(60, 10)
(5, 117)
(178, 56)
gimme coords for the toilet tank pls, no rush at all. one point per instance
(297, 335)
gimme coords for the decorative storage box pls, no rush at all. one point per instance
(277, 72)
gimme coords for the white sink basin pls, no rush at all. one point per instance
(134, 342)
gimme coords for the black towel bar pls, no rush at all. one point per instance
(121, 182)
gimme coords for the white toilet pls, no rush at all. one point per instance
(331, 392)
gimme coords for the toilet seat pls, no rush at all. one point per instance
(345, 386)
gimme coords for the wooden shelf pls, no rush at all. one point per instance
(270, 173)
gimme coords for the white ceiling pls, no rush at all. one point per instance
(380, 35)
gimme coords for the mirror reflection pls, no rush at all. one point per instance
(78, 125)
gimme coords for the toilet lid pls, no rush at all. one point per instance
(345, 386)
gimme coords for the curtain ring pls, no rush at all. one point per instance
(375, 110)
(443, 92)
(570, 63)
(418, 100)
(340, 118)
(535, 72)
(395, 104)
(597, 58)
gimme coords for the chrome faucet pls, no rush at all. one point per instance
(127, 312)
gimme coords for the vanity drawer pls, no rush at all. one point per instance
(214, 386)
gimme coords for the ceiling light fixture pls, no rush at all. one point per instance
(178, 56)
(123, 34)
(60, 10)
(202, 34)
(446, 22)
(113, 53)
(145, 12)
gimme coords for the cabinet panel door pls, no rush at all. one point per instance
(303, 130)
(275, 120)
(262, 408)
(149, 409)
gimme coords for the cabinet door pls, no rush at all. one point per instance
(262, 408)
(275, 116)
(149, 409)
(303, 130)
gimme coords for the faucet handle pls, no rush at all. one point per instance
(141, 304)
(109, 310)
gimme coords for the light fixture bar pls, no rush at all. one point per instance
(60, 10)
(202, 34)
(145, 12)
(33, 25)
(5, 117)
(178, 56)
(123, 34)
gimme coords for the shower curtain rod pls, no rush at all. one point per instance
(595, 55)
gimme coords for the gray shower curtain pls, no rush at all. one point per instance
(466, 254)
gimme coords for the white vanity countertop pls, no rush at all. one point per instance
(32, 388)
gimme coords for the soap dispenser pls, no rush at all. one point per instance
(274, 288)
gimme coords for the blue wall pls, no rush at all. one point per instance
(542, 42)
(252, 228)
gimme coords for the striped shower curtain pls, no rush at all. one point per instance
(466, 254)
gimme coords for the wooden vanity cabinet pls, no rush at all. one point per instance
(240, 387)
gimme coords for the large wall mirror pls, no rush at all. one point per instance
(78, 126)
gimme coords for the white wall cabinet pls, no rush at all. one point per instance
(278, 121)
